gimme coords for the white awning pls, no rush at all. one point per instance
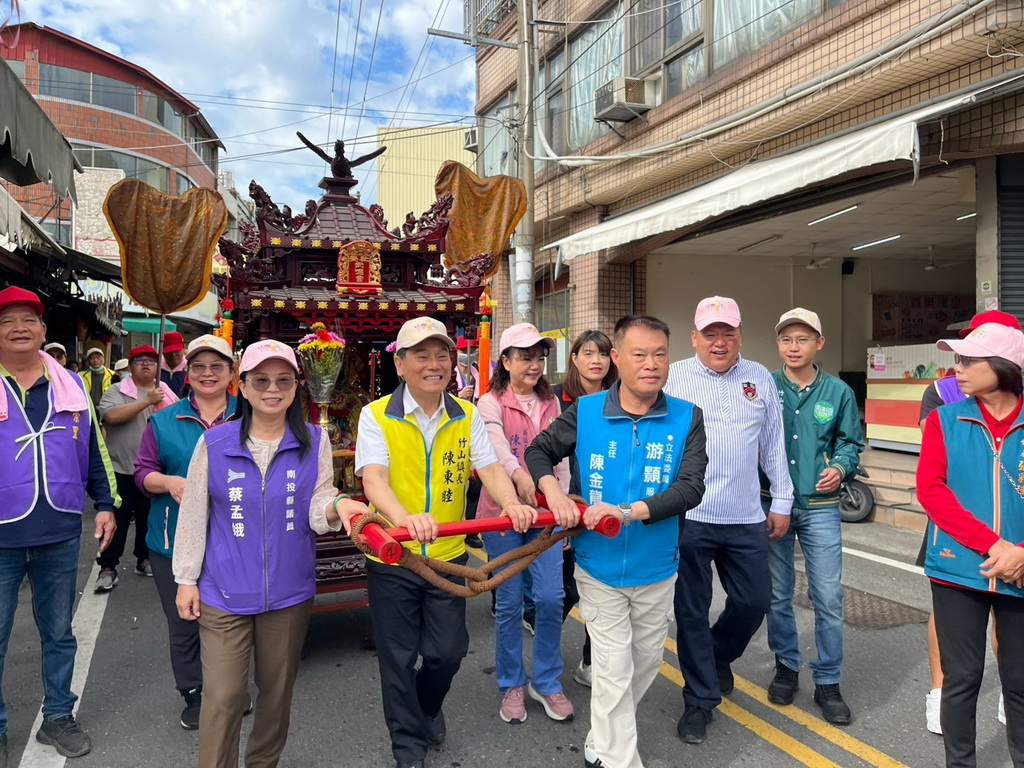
(894, 139)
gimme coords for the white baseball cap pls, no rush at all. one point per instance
(209, 342)
(799, 315)
(418, 330)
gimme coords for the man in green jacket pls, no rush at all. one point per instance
(823, 444)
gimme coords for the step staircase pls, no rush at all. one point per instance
(892, 480)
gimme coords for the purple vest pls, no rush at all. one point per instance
(260, 550)
(949, 390)
(52, 463)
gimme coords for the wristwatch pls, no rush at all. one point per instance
(627, 513)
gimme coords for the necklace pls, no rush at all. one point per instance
(1019, 487)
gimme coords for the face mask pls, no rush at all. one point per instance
(96, 370)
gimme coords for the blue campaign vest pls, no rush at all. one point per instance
(982, 488)
(624, 461)
(177, 431)
(260, 549)
(52, 463)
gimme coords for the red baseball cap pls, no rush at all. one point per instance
(992, 316)
(143, 350)
(16, 295)
(173, 342)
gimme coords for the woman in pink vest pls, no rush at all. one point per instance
(520, 405)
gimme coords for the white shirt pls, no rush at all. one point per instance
(372, 448)
(743, 422)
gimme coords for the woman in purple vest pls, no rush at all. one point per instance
(259, 490)
(518, 407)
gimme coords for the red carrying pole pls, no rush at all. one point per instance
(386, 543)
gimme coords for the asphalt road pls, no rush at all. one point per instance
(130, 708)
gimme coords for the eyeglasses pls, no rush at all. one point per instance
(144, 361)
(802, 341)
(262, 383)
(965, 362)
(200, 368)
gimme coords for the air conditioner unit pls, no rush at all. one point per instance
(471, 140)
(623, 98)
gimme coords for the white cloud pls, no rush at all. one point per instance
(261, 71)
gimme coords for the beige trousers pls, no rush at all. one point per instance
(628, 627)
(227, 642)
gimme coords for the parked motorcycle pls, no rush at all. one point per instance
(855, 499)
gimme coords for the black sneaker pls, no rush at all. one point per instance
(474, 541)
(529, 622)
(248, 707)
(726, 682)
(833, 708)
(784, 685)
(436, 729)
(693, 725)
(193, 703)
(64, 735)
(494, 604)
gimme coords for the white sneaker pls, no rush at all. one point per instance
(1001, 713)
(590, 758)
(582, 675)
(932, 703)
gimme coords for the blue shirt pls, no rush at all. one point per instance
(743, 422)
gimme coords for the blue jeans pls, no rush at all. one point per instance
(821, 541)
(52, 572)
(547, 596)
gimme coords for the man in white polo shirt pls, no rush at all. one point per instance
(743, 422)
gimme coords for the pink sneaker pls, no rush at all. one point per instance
(513, 705)
(556, 705)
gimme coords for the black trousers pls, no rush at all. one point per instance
(740, 555)
(961, 624)
(413, 619)
(135, 504)
(184, 635)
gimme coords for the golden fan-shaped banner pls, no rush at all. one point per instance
(167, 242)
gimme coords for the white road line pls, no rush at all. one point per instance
(86, 625)
(884, 560)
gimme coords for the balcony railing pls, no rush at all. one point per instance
(484, 16)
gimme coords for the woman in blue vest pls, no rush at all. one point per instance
(259, 490)
(167, 445)
(970, 481)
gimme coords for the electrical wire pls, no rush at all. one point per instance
(352, 66)
(369, 67)
(334, 70)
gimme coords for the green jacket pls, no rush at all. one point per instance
(822, 429)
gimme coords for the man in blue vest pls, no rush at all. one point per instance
(642, 459)
(52, 454)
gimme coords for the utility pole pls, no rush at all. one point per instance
(523, 290)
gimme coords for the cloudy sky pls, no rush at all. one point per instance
(261, 70)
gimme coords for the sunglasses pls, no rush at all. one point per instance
(262, 383)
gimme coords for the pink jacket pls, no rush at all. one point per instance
(511, 430)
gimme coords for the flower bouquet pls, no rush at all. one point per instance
(320, 354)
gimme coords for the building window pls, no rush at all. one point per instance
(18, 67)
(182, 183)
(743, 26)
(58, 230)
(597, 57)
(64, 83)
(159, 110)
(114, 94)
(89, 88)
(154, 174)
(661, 28)
(496, 135)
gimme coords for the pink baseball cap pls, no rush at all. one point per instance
(267, 350)
(716, 309)
(523, 336)
(989, 340)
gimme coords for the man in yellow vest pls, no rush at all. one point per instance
(433, 440)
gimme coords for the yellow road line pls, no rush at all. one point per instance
(759, 727)
(812, 723)
(766, 730)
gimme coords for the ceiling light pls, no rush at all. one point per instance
(832, 215)
(769, 239)
(877, 242)
(967, 216)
